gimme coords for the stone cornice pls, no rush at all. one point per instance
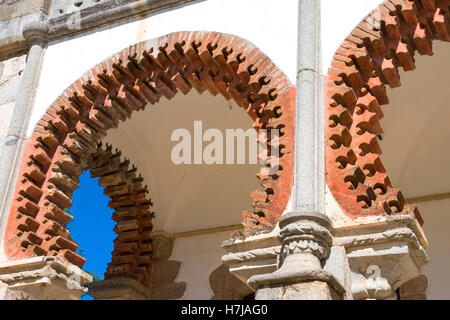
(259, 255)
(107, 15)
(101, 15)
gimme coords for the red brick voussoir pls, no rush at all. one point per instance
(364, 64)
(65, 141)
(132, 255)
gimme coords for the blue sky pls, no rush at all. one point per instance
(92, 227)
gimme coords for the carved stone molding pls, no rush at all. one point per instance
(394, 244)
(310, 235)
(369, 285)
(42, 278)
(252, 256)
(305, 245)
(162, 246)
(119, 289)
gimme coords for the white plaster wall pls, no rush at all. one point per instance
(199, 256)
(436, 227)
(269, 24)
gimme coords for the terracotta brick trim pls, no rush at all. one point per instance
(66, 139)
(364, 64)
(132, 255)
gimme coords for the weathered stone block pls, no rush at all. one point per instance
(11, 9)
(6, 112)
(41, 278)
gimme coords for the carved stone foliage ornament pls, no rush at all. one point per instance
(306, 241)
(305, 237)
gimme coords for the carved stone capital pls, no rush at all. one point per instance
(42, 278)
(305, 244)
(260, 255)
(36, 31)
(396, 244)
(305, 233)
(370, 285)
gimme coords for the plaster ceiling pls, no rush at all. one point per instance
(187, 197)
(415, 144)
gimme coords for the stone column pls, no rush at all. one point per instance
(42, 278)
(305, 244)
(305, 235)
(35, 34)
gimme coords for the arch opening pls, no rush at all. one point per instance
(367, 61)
(365, 65)
(65, 141)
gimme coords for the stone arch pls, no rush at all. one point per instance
(364, 64)
(132, 255)
(69, 132)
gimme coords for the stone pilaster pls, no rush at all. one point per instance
(42, 278)
(305, 233)
(305, 245)
(35, 34)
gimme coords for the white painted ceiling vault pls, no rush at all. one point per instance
(187, 197)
